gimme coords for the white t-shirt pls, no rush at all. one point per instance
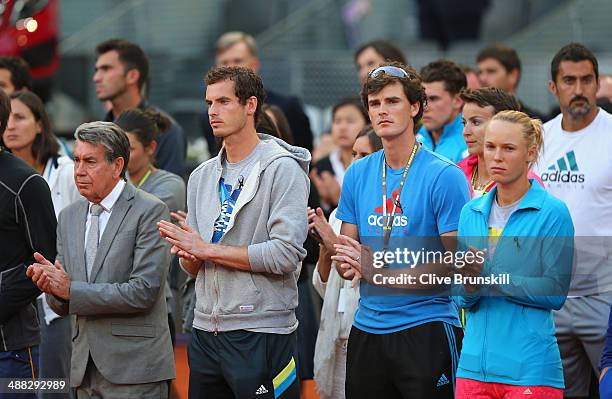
(576, 167)
(337, 166)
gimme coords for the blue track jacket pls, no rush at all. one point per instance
(510, 332)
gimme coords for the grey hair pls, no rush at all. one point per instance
(229, 39)
(109, 135)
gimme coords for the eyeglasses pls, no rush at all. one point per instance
(389, 70)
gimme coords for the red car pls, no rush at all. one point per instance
(30, 29)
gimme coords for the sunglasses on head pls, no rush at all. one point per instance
(389, 70)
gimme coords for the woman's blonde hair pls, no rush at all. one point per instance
(533, 130)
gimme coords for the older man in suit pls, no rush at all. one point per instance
(109, 272)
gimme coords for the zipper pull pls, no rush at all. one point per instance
(516, 241)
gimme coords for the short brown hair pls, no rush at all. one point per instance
(131, 56)
(246, 84)
(412, 85)
(506, 56)
(387, 50)
(21, 77)
(447, 72)
(499, 99)
(574, 52)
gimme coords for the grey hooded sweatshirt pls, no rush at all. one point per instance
(270, 219)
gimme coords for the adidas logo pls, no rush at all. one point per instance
(261, 390)
(442, 381)
(564, 170)
(527, 392)
(561, 164)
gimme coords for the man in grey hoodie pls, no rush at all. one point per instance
(243, 242)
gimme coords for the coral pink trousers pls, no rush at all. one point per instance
(472, 389)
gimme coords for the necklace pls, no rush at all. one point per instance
(475, 178)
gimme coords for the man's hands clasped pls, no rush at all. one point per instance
(50, 278)
(186, 242)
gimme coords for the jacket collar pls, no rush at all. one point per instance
(273, 148)
(532, 200)
(448, 130)
(109, 117)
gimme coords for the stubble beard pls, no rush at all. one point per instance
(117, 93)
(578, 113)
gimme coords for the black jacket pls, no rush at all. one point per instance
(27, 225)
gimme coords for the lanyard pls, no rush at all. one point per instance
(389, 219)
(144, 178)
(54, 165)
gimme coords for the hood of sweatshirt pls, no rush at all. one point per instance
(274, 148)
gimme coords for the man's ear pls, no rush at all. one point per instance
(514, 76)
(251, 105)
(118, 165)
(414, 109)
(457, 102)
(132, 76)
(553, 88)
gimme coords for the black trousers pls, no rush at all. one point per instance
(243, 364)
(416, 363)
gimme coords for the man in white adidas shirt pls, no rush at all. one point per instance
(575, 167)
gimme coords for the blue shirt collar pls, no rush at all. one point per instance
(455, 125)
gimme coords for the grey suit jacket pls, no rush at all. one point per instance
(121, 316)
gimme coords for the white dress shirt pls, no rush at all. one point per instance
(107, 203)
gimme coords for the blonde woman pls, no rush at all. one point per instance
(509, 347)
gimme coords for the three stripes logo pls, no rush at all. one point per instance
(565, 170)
(442, 381)
(261, 390)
